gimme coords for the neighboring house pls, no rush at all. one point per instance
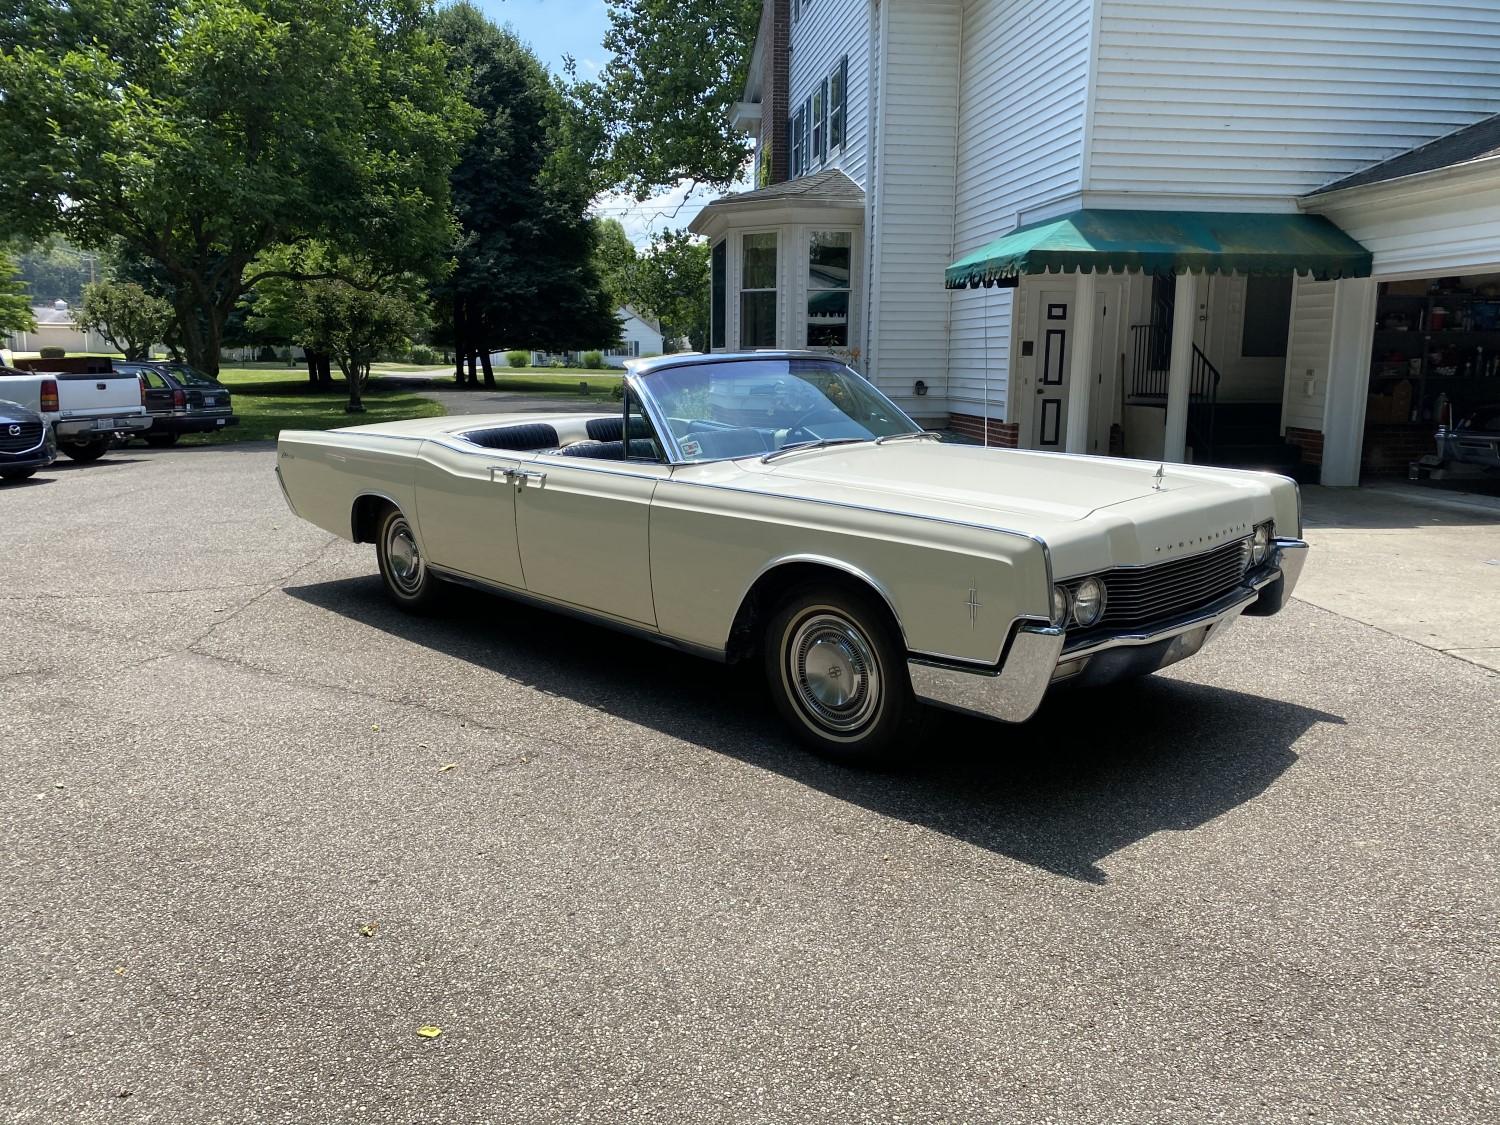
(56, 328)
(639, 336)
(1000, 209)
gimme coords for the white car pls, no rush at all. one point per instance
(86, 410)
(871, 566)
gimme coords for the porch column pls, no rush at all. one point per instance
(1179, 375)
(1081, 371)
(1352, 340)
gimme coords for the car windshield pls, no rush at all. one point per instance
(748, 408)
(189, 377)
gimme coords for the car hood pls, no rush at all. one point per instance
(1091, 511)
(1049, 488)
(15, 412)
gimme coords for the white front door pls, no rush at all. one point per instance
(1053, 355)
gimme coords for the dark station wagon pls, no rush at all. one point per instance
(180, 400)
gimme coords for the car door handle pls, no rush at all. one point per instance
(521, 476)
(497, 473)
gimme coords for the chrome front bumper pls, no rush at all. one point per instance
(1040, 656)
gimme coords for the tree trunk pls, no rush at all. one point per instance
(312, 368)
(473, 369)
(351, 370)
(325, 371)
(458, 341)
(489, 370)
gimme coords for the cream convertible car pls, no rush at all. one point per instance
(775, 503)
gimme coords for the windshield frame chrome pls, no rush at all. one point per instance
(636, 380)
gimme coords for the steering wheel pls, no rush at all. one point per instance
(800, 425)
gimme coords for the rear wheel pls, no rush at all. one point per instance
(87, 450)
(408, 581)
(161, 441)
(837, 672)
(17, 474)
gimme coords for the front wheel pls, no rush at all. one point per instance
(86, 451)
(837, 673)
(408, 581)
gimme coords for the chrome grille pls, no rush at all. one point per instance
(28, 437)
(1144, 594)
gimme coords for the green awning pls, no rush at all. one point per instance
(1165, 242)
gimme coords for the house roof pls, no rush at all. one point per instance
(1475, 142)
(50, 314)
(828, 188)
(649, 321)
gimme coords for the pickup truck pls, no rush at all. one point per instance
(87, 410)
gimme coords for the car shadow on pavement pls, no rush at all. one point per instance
(1093, 773)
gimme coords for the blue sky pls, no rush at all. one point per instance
(556, 28)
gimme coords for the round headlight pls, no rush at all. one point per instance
(1088, 602)
(1059, 606)
(1260, 545)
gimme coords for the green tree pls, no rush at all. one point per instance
(670, 282)
(197, 133)
(524, 271)
(614, 259)
(273, 312)
(15, 301)
(661, 106)
(355, 326)
(56, 271)
(126, 315)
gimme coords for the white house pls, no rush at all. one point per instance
(56, 328)
(1002, 209)
(639, 335)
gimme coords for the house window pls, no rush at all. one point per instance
(758, 291)
(718, 275)
(1268, 317)
(798, 146)
(829, 258)
(820, 123)
(838, 115)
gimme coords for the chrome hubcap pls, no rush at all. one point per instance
(405, 560)
(834, 677)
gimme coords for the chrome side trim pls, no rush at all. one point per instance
(619, 625)
(833, 564)
(1012, 694)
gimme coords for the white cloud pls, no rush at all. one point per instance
(670, 210)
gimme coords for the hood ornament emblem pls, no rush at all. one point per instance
(1161, 471)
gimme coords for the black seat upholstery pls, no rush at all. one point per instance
(641, 448)
(525, 436)
(613, 429)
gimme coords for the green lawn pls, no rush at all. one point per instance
(269, 398)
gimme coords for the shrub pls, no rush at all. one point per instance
(557, 363)
(617, 392)
(52, 351)
(422, 355)
(518, 359)
(593, 360)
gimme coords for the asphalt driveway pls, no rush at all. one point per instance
(1258, 887)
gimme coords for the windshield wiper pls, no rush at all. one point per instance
(803, 446)
(911, 436)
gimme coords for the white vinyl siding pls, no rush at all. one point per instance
(1274, 98)
(828, 31)
(914, 193)
(1451, 229)
(1020, 145)
(1307, 354)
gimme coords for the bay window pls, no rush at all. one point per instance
(829, 262)
(758, 290)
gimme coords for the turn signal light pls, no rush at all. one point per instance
(141, 380)
(49, 396)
